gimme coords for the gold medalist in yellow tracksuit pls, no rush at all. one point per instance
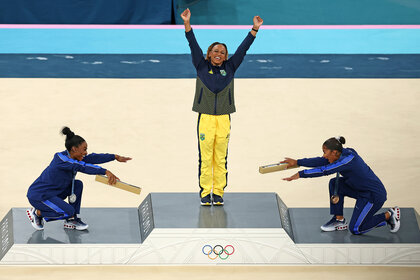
(213, 139)
(214, 100)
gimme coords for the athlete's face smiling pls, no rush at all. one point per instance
(330, 155)
(217, 55)
(79, 152)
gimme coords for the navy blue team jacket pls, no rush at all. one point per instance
(356, 173)
(209, 74)
(58, 176)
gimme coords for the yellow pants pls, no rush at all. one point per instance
(213, 133)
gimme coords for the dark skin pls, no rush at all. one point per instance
(331, 156)
(79, 152)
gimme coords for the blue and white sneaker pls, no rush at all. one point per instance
(75, 223)
(334, 225)
(206, 201)
(394, 220)
(36, 221)
(217, 200)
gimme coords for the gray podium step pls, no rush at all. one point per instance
(307, 221)
(173, 228)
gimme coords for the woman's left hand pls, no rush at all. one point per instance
(294, 177)
(122, 159)
(257, 22)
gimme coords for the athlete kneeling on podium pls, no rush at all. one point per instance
(57, 182)
(357, 181)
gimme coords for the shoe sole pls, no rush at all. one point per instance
(218, 203)
(345, 227)
(205, 203)
(31, 219)
(74, 227)
(397, 225)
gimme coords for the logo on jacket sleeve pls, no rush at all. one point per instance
(202, 136)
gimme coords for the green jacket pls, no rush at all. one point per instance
(208, 102)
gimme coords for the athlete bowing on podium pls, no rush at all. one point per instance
(57, 182)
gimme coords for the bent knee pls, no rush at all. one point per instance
(354, 231)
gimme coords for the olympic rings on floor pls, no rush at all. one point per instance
(218, 251)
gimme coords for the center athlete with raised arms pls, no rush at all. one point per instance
(214, 102)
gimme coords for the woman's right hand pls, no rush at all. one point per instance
(186, 15)
(290, 162)
(112, 179)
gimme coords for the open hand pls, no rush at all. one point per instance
(122, 159)
(294, 177)
(186, 15)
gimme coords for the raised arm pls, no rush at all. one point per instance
(240, 53)
(186, 15)
(196, 52)
(257, 24)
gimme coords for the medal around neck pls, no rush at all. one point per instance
(72, 198)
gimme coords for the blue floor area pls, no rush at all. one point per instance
(180, 66)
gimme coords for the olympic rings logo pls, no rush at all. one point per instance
(218, 251)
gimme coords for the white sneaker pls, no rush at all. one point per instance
(75, 223)
(36, 222)
(394, 220)
(334, 224)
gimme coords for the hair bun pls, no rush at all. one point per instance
(341, 139)
(66, 131)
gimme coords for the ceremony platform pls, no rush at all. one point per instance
(173, 228)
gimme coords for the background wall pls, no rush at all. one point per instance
(278, 12)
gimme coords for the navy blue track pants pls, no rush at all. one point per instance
(55, 208)
(363, 218)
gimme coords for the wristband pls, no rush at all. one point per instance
(256, 30)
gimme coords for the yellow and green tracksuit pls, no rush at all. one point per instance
(213, 139)
(214, 101)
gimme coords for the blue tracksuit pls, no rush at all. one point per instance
(55, 184)
(358, 181)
